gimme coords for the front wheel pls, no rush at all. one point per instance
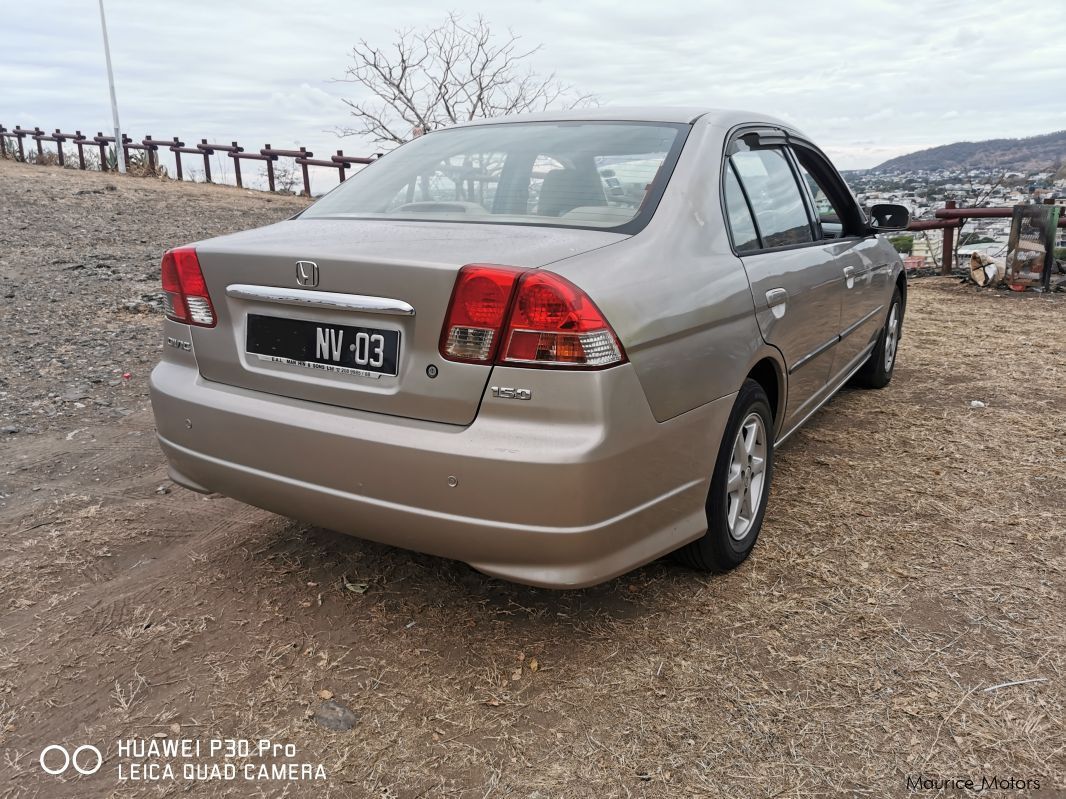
(877, 371)
(740, 486)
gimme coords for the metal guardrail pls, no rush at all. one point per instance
(304, 158)
(952, 217)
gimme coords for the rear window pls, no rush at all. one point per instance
(603, 175)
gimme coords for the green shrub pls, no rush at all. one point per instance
(903, 244)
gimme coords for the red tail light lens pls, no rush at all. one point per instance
(476, 313)
(525, 318)
(554, 323)
(185, 297)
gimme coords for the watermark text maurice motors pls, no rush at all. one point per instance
(920, 783)
(185, 760)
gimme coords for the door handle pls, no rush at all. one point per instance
(849, 276)
(776, 300)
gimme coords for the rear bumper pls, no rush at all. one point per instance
(567, 490)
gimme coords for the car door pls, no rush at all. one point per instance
(796, 280)
(866, 273)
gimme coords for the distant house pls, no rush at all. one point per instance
(914, 262)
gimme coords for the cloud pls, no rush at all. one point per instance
(900, 75)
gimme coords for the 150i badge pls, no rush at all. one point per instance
(504, 392)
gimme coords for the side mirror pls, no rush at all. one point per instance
(889, 216)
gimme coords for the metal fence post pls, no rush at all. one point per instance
(307, 177)
(270, 168)
(126, 141)
(207, 159)
(103, 150)
(59, 147)
(178, 147)
(237, 164)
(947, 262)
(177, 155)
(150, 152)
(79, 142)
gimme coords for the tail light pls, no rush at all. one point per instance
(525, 318)
(185, 297)
(476, 313)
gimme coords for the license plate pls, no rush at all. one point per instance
(365, 351)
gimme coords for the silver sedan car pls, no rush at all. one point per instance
(554, 346)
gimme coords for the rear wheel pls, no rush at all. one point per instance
(740, 486)
(877, 371)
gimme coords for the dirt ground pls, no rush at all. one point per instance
(911, 561)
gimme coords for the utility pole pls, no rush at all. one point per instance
(114, 103)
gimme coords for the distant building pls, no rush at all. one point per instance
(926, 244)
(913, 262)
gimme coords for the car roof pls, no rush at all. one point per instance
(673, 114)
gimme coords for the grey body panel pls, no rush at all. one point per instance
(805, 326)
(675, 293)
(545, 492)
(414, 263)
(866, 296)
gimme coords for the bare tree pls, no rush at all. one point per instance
(448, 73)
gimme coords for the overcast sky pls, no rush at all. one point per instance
(867, 80)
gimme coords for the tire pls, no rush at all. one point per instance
(877, 371)
(751, 429)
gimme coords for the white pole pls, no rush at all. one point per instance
(114, 103)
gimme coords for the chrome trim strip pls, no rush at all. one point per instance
(855, 326)
(812, 355)
(320, 299)
(862, 361)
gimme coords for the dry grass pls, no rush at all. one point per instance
(912, 560)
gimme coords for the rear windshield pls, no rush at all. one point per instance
(603, 175)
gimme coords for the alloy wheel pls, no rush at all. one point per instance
(891, 337)
(747, 473)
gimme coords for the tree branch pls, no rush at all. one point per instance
(444, 74)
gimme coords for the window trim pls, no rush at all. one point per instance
(775, 140)
(813, 221)
(731, 167)
(838, 185)
(775, 137)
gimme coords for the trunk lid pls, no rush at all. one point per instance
(409, 265)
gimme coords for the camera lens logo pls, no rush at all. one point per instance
(76, 759)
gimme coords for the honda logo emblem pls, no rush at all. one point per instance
(307, 273)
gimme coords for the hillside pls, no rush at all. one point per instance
(847, 652)
(1034, 153)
